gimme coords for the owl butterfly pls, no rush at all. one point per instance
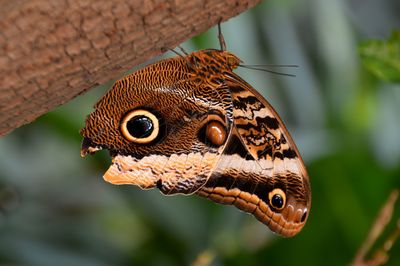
(189, 125)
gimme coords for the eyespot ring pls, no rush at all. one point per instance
(277, 199)
(140, 126)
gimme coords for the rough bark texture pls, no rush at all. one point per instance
(52, 51)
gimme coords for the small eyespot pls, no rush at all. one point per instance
(277, 198)
(215, 133)
(140, 126)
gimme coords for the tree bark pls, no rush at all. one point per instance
(52, 51)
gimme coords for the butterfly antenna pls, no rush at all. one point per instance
(258, 67)
(165, 49)
(221, 37)
(270, 65)
(183, 50)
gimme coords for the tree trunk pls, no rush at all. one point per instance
(52, 51)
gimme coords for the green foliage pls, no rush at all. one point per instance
(382, 57)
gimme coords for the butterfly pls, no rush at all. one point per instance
(190, 125)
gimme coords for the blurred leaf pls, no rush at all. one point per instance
(382, 58)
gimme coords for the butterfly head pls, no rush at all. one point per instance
(215, 61)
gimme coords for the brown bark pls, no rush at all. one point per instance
(52, 51)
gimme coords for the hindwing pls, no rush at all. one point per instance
(259, 161)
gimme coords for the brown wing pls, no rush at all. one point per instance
(179, 160)
(260, 160)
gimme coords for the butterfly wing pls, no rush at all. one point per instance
(190, 125)
(261, 171)
(179, 159)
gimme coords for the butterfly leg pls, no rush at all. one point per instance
(221, 37)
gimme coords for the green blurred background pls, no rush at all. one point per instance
(55, 209)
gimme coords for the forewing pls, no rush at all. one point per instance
(178, 161)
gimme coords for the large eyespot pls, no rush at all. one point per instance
(213, 131)
(140, 126)
(277, 199)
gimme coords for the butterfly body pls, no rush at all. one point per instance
(190, 125)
